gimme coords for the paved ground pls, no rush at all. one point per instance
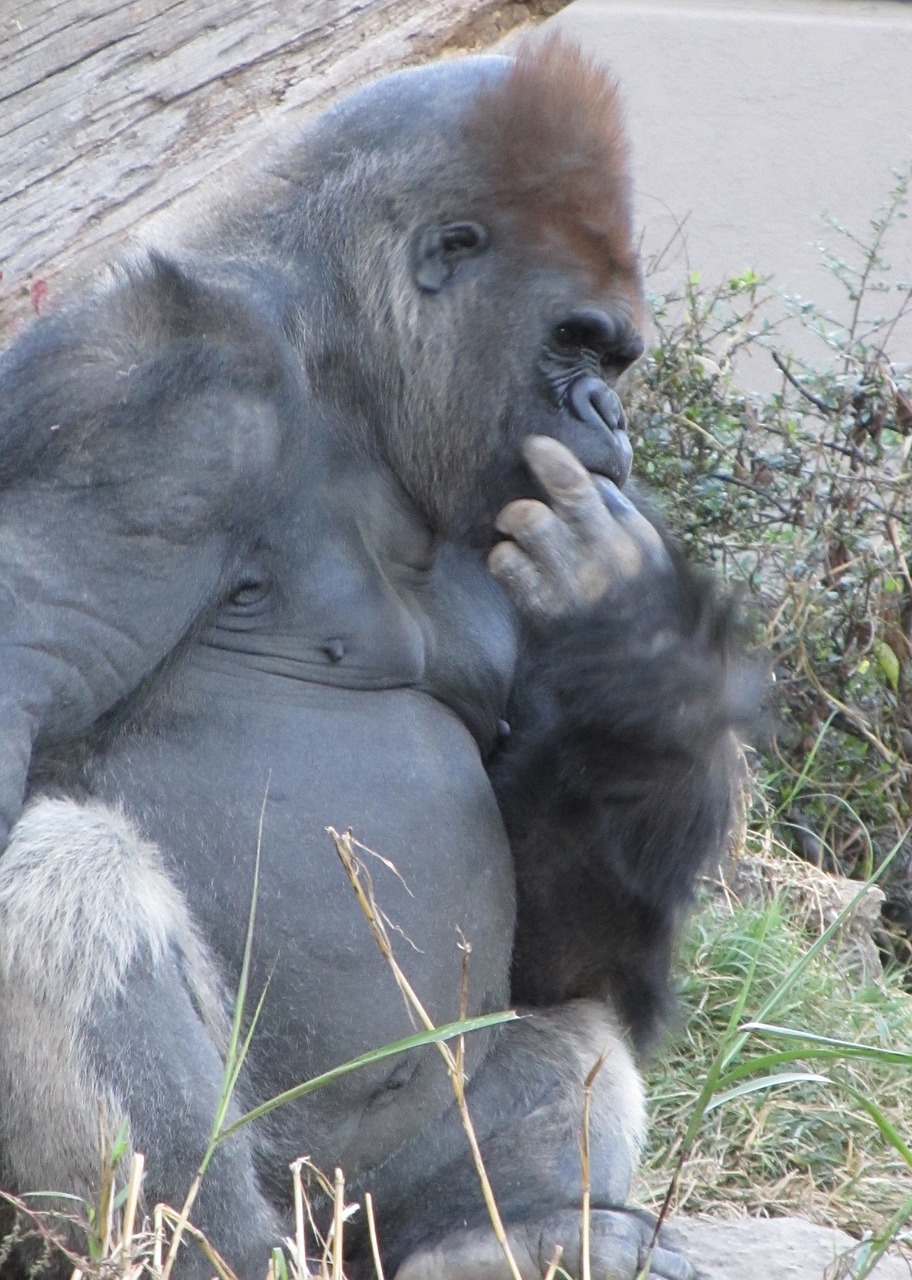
(750, 118)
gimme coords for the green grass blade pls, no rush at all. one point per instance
(888, 1130)
(767, 1082)
(840, 1048)
(447, 1032)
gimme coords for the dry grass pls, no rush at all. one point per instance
(806, 1149)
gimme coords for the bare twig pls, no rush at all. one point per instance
(300, 1236)
(338, 1227)
(134, 1187)
(554, 1263)
(826, 409)
(586, 1229)
(178, 1220)
(893, 534)
(372, 1232)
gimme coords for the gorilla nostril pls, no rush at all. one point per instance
(594, 402)
(633, 348)
(608, 406)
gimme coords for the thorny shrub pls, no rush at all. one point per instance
(804, 497)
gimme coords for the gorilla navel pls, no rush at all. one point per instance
(334, 650)
(249, 594)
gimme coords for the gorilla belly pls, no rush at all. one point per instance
(405, 775)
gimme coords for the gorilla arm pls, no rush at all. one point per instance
(129, 438)
(620, 777)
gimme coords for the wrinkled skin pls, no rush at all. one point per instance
(320, 523)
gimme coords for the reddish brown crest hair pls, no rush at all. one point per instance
(550, 136)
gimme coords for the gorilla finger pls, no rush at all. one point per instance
(569, 486)
(634, 522)
(540, 533)
(521, 518)
(516, 572)
(668, 1264)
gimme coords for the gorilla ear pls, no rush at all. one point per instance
(440, 249)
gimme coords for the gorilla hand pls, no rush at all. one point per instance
(588, 545)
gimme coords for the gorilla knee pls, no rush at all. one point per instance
(83, 901)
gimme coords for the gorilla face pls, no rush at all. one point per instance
(507, 295)
(544, 340)
(581, 350)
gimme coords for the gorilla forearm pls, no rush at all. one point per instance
(618, 782)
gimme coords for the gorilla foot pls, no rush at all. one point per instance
(618, 1250)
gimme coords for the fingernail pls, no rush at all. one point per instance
(612, 496)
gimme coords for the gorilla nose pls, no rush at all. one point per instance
(597, 406)
(596, 403)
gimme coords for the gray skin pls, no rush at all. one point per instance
(280, 526)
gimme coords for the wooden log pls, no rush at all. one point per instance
(110, 113)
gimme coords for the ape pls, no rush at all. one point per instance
(320, 519)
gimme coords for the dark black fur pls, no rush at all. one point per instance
(618, 787)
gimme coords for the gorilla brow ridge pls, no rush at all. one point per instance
(551, 136)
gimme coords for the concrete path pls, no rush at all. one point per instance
(749, 118)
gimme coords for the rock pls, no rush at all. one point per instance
(776, 1249)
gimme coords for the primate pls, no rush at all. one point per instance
(320, 519)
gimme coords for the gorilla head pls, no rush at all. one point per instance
(492, 222)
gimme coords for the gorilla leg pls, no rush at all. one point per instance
(111, 1011)
(527, 1106)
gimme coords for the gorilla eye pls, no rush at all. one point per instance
(462, 237)
(249, 593)
(610, 337)
(577, 335)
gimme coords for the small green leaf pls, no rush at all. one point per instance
(888, 663)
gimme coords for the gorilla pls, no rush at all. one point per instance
(319, 520)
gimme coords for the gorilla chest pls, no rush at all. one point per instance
(362, 598)
(359, 692)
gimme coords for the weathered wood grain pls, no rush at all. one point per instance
(110, 112)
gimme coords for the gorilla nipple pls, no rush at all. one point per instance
(334, 650)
